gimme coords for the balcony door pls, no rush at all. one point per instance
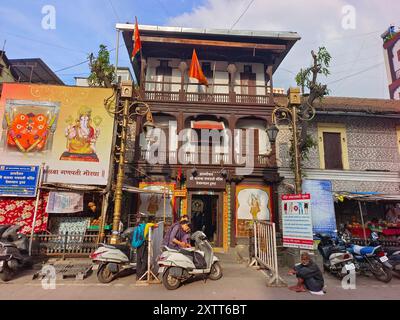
(248, 81)
(163, 76)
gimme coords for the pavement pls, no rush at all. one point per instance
(239, 282)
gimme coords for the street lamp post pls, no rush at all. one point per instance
(126, 96)
(291, 115)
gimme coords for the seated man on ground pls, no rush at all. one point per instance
(309, 276)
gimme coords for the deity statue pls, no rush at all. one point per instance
(255, 208)
(82, 136)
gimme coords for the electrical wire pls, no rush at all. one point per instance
(114, 10)
(356, 74)
(243, 13)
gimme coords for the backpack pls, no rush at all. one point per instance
(138, 236)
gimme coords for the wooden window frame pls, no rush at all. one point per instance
(333, 128)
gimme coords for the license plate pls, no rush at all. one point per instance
(350, 267)
(384, 259)
(95, 267)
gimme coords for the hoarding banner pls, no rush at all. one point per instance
(297, 221)
(18, 181)
(322, 202)
(67, 128)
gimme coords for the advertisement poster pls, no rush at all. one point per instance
(67, 128)
(253, 202)
(65, 202)
(297, 221)
(18, 181)
(324, 220)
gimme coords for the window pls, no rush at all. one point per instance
(164, 76)
(248, 81)
(206, 67)
(332, 142)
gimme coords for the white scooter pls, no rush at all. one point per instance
(110, 261)
(177, 266)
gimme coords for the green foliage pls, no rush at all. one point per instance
(309, 144)
(102, 73)
(307, 78)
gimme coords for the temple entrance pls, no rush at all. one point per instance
(205, 216)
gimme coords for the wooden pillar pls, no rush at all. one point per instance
(233, 214)
(269, 84)
(232, 71)
(182, 67)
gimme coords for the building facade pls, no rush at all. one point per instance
(391, 51)
(221, 186)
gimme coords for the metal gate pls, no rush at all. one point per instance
(265, 252)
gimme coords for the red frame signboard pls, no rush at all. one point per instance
(297, 221)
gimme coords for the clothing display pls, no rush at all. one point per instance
(21, 211)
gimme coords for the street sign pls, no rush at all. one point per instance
(297, 221)
(18, 181)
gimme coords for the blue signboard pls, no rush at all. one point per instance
(323, 208)
(18, 181)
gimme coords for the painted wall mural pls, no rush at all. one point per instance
(253, 202)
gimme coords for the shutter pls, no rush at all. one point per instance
(333, 151)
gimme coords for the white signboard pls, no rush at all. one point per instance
(297, 221)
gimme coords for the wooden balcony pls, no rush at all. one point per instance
(176, 92)
(217, 159)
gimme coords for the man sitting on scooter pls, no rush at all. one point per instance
(309, 276)
(178, 237)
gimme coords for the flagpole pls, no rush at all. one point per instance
(213, 90)
(117, 56)
(141, 60)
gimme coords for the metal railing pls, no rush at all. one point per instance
(66, 244)
(265, 250)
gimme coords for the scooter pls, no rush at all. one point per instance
(336, 260)
(14, 252)
(178, 266)
(111, 261)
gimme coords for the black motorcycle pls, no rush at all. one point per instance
(392, 253)
(14, 252)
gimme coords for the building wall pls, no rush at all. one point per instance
(5, 74)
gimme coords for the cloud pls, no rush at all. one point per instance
(319, 23)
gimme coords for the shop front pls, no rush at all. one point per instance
(368, 212)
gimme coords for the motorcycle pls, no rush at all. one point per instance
(372, 259)
(393, 254)
(336, 260)
(178, 266)
(14, 252)
(111, 261)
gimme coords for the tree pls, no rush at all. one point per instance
(102, 73)
(311, 90)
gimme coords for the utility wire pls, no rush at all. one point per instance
(114, 10)
(243, 13)
(356, 74)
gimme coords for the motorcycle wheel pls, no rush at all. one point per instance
(216, 271)
(382, 273)
(170, 282)
(104, 275)
(7, 273)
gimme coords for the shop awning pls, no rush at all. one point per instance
(208, 125)
(138, 190)
(367, 196)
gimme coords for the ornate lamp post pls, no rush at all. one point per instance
(125, 109)
(291, 115)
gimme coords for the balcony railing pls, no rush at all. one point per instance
(218, 93)
(171, 157)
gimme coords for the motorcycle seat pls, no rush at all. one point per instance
(364, 251)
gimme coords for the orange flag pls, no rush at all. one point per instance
(195, 70)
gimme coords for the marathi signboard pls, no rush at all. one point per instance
(323, 204)
(18, 181)
(297, 221)
(180, 193)
(205, 179)
(67, 128)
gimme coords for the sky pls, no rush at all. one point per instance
(349, 29)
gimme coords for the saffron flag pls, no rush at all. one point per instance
(137, 53)
(195, 70)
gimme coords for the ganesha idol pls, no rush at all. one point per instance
(82, 135)
(28, 132)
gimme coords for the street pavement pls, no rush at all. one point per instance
(239, 282)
